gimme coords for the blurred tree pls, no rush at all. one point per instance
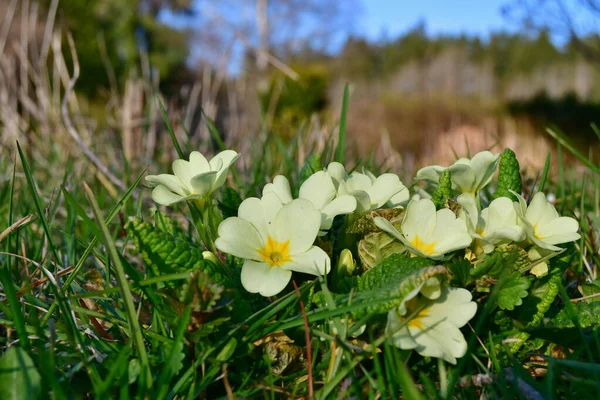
(109, 34)
(574, 22)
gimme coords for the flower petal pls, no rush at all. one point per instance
(440, 340)
(540, 210)
(400, 336)
(203, 184)
(184, 171)
(400, 199)
(198, 162)
(559, 230)
(281, 187)
(419, 219)
(221, 163)
(260, 277)
(455, 305)
(357, 181)
(430, 174)
(240, 238)
(318, 189)
(337, 173)
(450, 233)
(484, 166)
(390, 229)
(261, 213)
(384, 187)
(171, 182)
(299, 223)
(164, 196)
(463, 178)
(339, 206)
(314, 261)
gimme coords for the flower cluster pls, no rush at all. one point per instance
(463, 219)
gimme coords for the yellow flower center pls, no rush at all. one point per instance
(537, 235)
(275, 253)
(426, 248)
(417, 320)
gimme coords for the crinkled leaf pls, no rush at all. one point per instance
(365, 225)
(165, 254)
(461, 271)
(19, 379)
(500, 261)
(392, 279)
(377, 246)
(587, 314)
(509, 176)
(167, 224)
(444, 190)
(511, 291)
(230, 202)
(591, 290)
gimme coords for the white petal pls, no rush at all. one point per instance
(261, 213)
(239, 238)
(281, 187)
(440, 340)
(455, 305)
(299, 223)
(484, 165)
(559, 230)
(469, 211)
(318, 189)
(314, 261)
(357, 181)
(390, 229)
(260, 277)
(384, 187)
(419, 219)
(221, 163)
(164, 196)
(337, 172)
(184, 171)
(400, 199)
(430, 174)
(339, 206)
(463, 178)
(450, 233)
(171, 182)
(396, 327)
(198, 162)
(203, 184)
(432, 289)
(540, 210)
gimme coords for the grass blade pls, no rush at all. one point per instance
(134, 325)
(341, 147)
(165, 118)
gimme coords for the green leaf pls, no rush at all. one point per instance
(165, 254)
(393, 279)
(444, 190)
(375, 247)
(591, 289)
(511, 291)
(500, 261)
(19, 379)
(509, 176)
(341, 146)
(230, 202)
(313, 164)
(588, 314)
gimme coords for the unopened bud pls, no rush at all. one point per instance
(207, 255)
(346, 262)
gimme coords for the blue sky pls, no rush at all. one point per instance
(441, 17)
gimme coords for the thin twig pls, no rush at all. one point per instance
(308, 347)
(71, 129)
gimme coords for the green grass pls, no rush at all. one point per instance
(94, 321)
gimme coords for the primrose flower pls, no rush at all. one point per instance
(468, 176)
(275, 239)
(544, 227)
(431, 326)
(193, 179)
(495, 225)
(371, 192)
(427, 232)
(320, 190)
